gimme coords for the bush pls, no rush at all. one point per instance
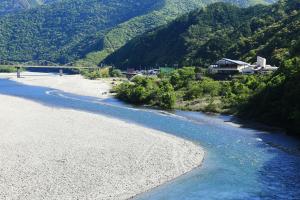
(100, 73)
(150, 91)
(165, 95)
(115, 72)
(181, 77)
(211, 107)
(200, 88)
(7, 69)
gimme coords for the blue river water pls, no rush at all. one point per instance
(240, 163)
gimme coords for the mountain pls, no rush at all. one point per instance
(205, 35)
(117, 37)
(11, 6)
(220, 30)
(63, 32)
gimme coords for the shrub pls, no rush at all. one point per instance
(145, 90)
(115, 72)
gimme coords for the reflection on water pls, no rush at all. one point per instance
(240, 163)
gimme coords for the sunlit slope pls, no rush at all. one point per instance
(11, 6)
(206, 35)
(70, 30)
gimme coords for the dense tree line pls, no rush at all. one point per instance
(272, 99)
(220, 30)
(217, 96)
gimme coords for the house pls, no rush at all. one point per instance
(228, 66)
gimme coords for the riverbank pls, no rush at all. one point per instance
(54, 153)
(242, 95)
(75, 84)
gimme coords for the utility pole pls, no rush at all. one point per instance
(18, 72)
(61, 72)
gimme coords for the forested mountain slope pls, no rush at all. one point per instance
(225, 30)
(63, 32)
(53, 32)
(11, 6)
(278, 104)
(124, 32)
(206, 35)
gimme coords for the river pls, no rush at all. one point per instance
(240, 163)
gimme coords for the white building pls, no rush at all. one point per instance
(228, 66)
(261, 62)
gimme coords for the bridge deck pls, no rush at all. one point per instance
(50, 67)
(59, 67)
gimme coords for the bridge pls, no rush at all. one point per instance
(43, 64)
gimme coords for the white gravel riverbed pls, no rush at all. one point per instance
(53, 153)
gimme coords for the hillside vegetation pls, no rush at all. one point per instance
(220, 30)
(12, 6)
(120, 35)
(7, 6)
(63, 32)
(273, 99)
(278, 104)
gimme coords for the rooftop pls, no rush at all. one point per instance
(235, 61)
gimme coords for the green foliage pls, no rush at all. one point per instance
(165, 96)
(7, 69)
(115, 72)
(211, 107)
(62, 32)
(11, 6)
(91, 74)
(278, 103)
(182, 84)
(273, 99)
(220, 30)
(105, 72)
(83, 29)
(166, 11)
(150, 91)
(201, 88)
(181, 77)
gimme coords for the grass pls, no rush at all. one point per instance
(204, 104)
(7, 69)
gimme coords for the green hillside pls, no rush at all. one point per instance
(271, 31)
(66, 31)
(206, 35)
(124, 32)
(278, 104)
(11, 6)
